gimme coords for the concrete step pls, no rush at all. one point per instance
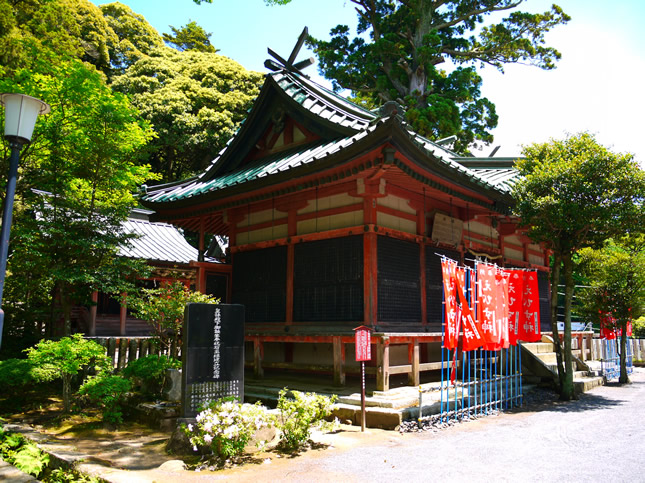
(538, 347)
(585, 384)
(549, 358)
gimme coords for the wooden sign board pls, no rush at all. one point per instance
(363, 343)
(446, 229)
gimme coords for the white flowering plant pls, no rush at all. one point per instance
(225, 427)
(301, 413)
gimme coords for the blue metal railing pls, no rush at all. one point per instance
(610, 360)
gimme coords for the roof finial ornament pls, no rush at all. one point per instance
(289, 63)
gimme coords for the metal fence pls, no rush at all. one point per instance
(479, 382)
(610, 357)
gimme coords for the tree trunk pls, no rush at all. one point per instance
(555, 280)
(624, 378)
(66, 305)
(567, 393)
(51, 325)
(67, 393)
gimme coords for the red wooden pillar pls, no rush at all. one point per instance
(290, 267)
(370, 264)
(370, 279)
(292, 229)
(421, 231)
(422, 283)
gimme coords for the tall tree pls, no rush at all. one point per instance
(110, 37)
(43, 31)
(190, 37)
(195, 102)
(576, 193)
(616, 274)
(135, 36)
(83, 158)
(409, 40)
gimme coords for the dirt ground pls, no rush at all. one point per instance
(597, 438)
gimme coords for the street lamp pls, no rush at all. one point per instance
(21, 112)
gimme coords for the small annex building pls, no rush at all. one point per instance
(336, 217)
(171, 258)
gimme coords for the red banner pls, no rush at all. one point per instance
(524, 306)
(449, 268)
(530, 330)
(473, 337)
(502, 311)
(515, 313)
(486, 304)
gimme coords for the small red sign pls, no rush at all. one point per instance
(363, 343)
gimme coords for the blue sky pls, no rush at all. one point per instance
(597, 87)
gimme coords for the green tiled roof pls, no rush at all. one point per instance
(329, 107)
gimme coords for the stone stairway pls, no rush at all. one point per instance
(539, 363)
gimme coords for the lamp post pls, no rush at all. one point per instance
(21, 112)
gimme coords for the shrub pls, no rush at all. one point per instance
(16, 372)
(67, 357)
(149, 372)
(225, 427)
(108, 392)
(300, 414)
(638, 328)
(163, 308)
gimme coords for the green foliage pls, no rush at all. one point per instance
(22, 453)
(40, 32)
(60, 475)
(110, 37)
(84, 157)
(136, 37)
(15, 449)
(69, 355)
(30, 459)
(66, 358)
(575, 193)
(638, 328)
(409, 40)
(163, 308)
(10, 441)
(149, 372)
(190, 37)
(299, 414)
(616, 274)
(17, 372)
(195, 102)
(108, 392)
(225, 427)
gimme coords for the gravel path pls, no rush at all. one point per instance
(599, 438)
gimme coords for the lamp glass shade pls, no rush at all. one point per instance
(21, 112)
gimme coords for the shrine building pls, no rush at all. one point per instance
(337, 217)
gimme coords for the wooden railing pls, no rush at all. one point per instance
(122, 350)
